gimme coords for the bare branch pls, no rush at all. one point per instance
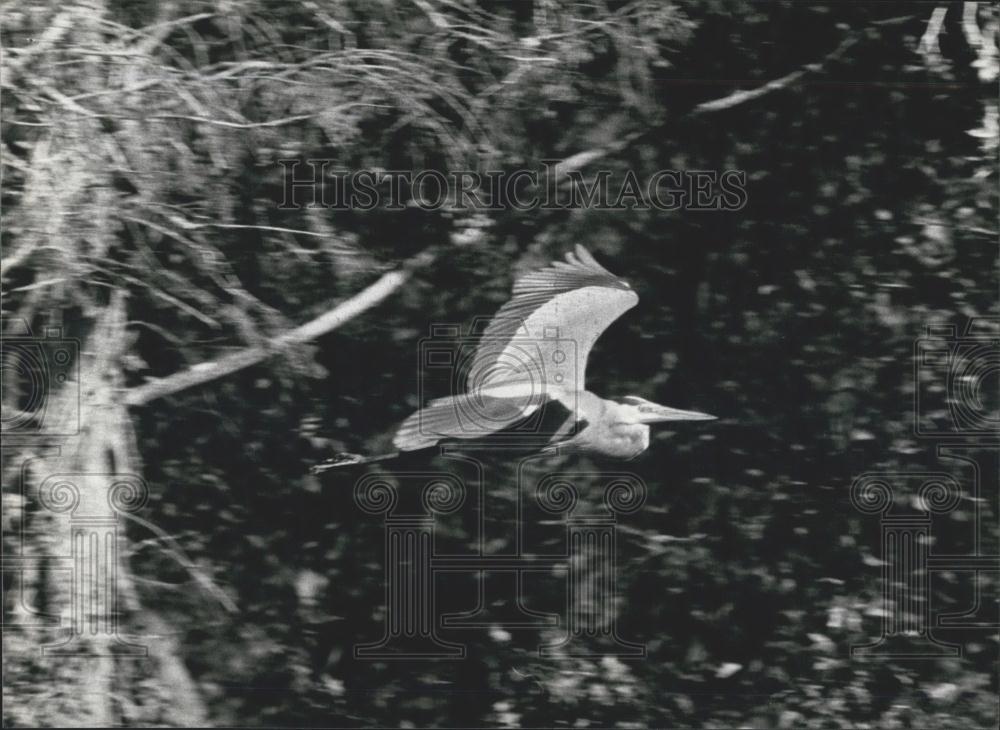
(327, 322)
(929, 47)
(580, 159)
(52, 35)
(174, 550)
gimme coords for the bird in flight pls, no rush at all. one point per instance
(534, 353)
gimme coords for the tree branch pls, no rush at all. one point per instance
(580, 159)
(929, 46)
(174, 550)
(342, 313)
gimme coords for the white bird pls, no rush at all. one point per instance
(534, 351)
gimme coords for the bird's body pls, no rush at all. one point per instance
(534, 353)
(607, 429)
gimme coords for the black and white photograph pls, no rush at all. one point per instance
(500, 364)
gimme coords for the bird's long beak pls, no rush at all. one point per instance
(656, 414)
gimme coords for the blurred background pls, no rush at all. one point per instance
(141, 193)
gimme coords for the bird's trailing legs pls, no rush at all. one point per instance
(348, 459)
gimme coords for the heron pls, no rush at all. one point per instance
(534, 352)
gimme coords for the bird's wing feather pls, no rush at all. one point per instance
(466, 416)
(544, 334)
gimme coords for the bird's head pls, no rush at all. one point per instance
(640, 410)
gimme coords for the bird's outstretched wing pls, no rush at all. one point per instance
(544, 334)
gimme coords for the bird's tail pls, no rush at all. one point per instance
(347, 459)
(467, 416)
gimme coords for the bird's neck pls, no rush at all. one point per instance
(589, 406)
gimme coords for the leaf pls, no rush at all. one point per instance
(728, 669)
